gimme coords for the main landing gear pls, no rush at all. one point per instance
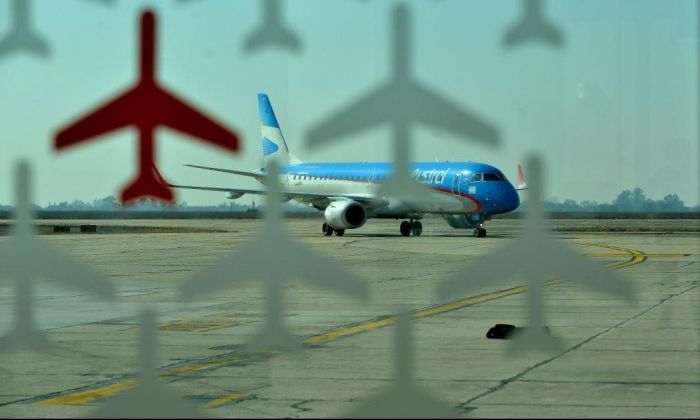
(411, 227)
(480, 232)
(328, 230)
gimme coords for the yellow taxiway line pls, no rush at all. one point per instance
(85, 397)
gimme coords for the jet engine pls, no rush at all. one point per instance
(463, 221)
(346, 214)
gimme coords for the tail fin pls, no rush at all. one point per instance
(273, 145)
(522, 185)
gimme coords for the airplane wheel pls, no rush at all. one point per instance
(405, 228)
(476, 233)
(417, 228)
(327, 230)
(339, 232)
(482, 233)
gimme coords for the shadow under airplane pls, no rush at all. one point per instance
(22, 36)
(272, 32)
(536, 257)
(25, 257)
(402, 101)
(150, 398)
(274, 257)
(404, 398)
(147, 106)
(533, 27)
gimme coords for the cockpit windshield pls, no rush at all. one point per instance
(494, 176)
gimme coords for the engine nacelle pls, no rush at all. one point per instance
(345, 214)
(463, 221)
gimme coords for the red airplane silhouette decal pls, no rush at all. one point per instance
(146, 106)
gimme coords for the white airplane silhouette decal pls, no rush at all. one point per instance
(22, 36)
(25, 257)
(532, 27)
(536, 257)
(274, 257)
(272, 32)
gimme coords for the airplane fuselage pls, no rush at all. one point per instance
(455, 187)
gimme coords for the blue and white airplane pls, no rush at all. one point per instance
(466, 194)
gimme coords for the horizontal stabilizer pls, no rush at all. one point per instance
(257, 175)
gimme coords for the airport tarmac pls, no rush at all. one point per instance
(619, 359)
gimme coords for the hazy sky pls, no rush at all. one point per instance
(614, 108)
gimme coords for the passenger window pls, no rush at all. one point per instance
(475, 178)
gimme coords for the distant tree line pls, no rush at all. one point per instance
(110, 203)
(627, 201)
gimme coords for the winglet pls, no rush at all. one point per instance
(522, 185)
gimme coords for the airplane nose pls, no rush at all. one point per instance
(514, 198)
(510, 200)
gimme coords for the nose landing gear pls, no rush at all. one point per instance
(411, 227)
(480, 232)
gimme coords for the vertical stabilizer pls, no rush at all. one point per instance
(273, 145)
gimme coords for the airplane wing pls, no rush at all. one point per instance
(230, 171)
(321, 271)
(33, 257)
(368, 200)
(496, 267)
(117, 113)
(178, 115)
(237, 266)
(415, 102)
(588, 273)
(438, 112)
(366, 112)
(541, 257)
(249, 262)
(65, 270)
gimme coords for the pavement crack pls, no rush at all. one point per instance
(298, 406)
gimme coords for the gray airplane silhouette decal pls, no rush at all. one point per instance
(272, 32)
(24, 257)
(532, 27)
(22, 36)
(150, 398)
(402, 101)
(536, 257)
(274, 257)
(404, 398)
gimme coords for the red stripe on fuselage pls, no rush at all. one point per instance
(458, 194)
(443, 190)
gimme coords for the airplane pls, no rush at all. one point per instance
(466, 194)
(22, 36)
(291, 259)
(25, 257)
(272, 31)
(536, 257)
(147, 105)
(533, 27)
